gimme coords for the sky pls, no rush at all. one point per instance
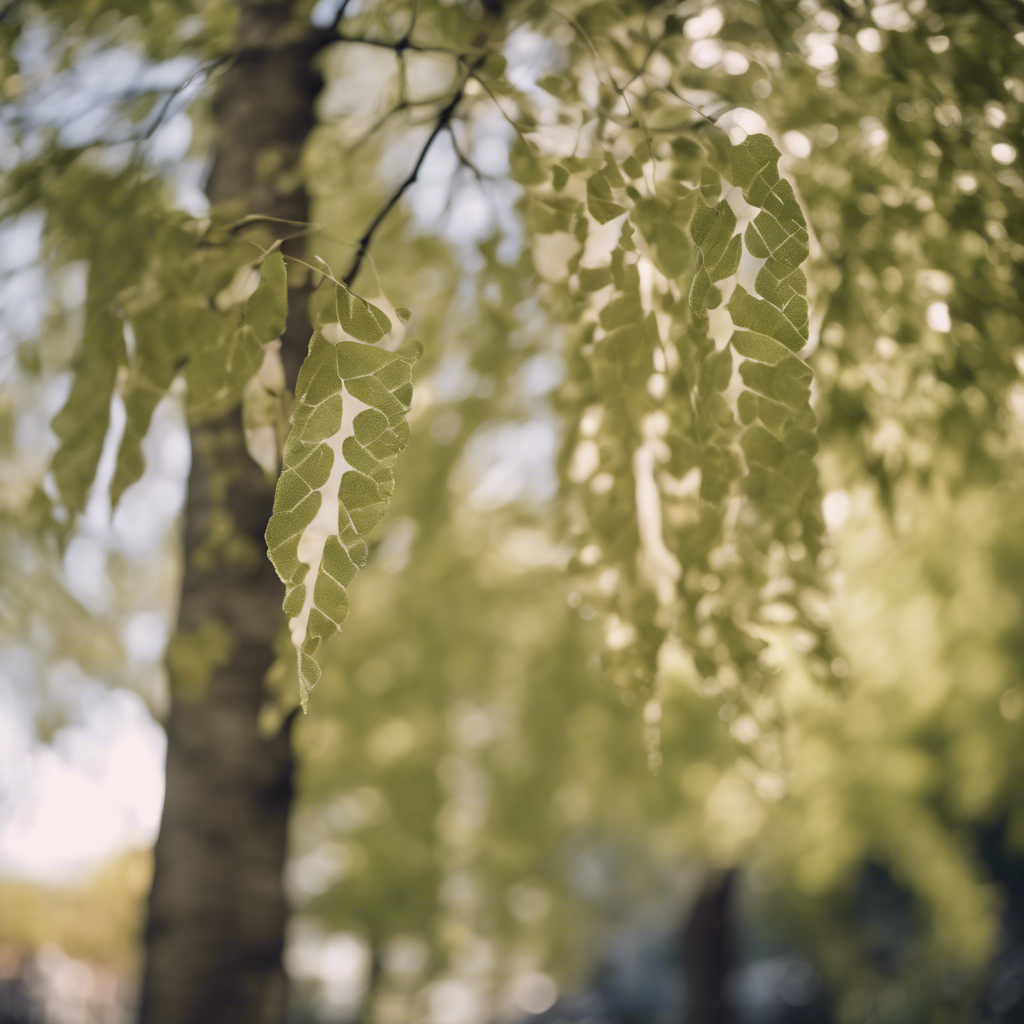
(96, 791)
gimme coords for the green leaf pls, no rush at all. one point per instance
(783, 383)
(599, 200)
(760, 348)
(82, 426)
(525, 167)
(360, 319)
(148, 379)
(779, 230)
(761, 446)
(224, 360)
(494, 65)
(82, 422)
(348, 427)
(554, 85)
(267, 308)
(761, 316)
(718, 252)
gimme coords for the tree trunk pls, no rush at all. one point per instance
(217, 908)
(708, 950)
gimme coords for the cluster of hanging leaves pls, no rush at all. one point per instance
(696, 501)
(693, 489)
(217, 350)
(165, 296)
(676, 262)
(691, 436)
(348, 428)
(177, 300)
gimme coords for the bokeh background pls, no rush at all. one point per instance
(487, 828)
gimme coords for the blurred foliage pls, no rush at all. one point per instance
(96, 922)
(590, 469)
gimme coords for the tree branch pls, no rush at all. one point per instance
(443, 119)
(401, 45)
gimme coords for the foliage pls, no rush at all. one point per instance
(337, 473)
(721, 237)
(97, 923)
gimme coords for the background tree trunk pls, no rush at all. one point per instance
(708, 950)
(217, 907)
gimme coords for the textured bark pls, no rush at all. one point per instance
(709, 952)
(217, 907)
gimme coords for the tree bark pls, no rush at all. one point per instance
(217, 907)
(708, 950)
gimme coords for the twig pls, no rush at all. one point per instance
(501, 110)
(464, 159)
(401, 45)
(712, 119)
(210, 65)
(431, 101)
(443, 118)
(340, 15)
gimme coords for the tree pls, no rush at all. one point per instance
(692, 221)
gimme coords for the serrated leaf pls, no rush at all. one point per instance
(783, 383)
(779, 230)
(761, 348)
(348, 427)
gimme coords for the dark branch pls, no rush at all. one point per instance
(339, 17)
(174, 93)
(464, 160)
(400, 45)
(443, 119)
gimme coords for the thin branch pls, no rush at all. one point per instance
(432, 101)
(465, 161)
(157, 121)
(340, 16)
(399, 46)
(620, 90)
(712, 119)
(308, 227)
(443, 118)
(501, 110)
